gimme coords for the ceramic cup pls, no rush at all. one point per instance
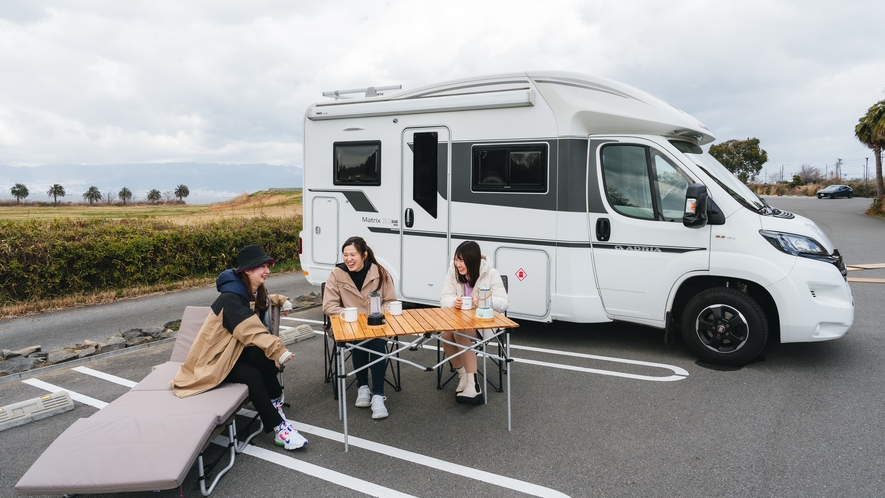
(466, 302)
(395, 307)
(349, 314)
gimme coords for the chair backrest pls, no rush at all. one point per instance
(506, 288)
(327, 324)
(274, 311)
(191, 323)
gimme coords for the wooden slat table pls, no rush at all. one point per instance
(423, 322)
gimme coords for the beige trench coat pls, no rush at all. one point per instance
(341, 293)
(216, 350)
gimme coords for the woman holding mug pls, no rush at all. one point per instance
(235, 345)
(349, 286)
(470, 270)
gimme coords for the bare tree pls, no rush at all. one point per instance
(110, 197)
(810, 174)
(168, 195)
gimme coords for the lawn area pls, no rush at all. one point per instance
(272, 204)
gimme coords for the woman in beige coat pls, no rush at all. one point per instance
(235, 345)
(349, 286)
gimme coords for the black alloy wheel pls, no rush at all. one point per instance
(724, 326)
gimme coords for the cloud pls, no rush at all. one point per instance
(223, 82)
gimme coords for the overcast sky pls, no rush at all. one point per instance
(101, 82)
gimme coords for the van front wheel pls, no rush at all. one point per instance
(724, 326)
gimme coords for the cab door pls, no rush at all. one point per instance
(640, 246)
(425, 216)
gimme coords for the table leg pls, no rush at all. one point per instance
(509, 374)
(342, 395)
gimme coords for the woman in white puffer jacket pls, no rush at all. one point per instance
(470, 271)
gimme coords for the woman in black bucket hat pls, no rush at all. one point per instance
(235, 345)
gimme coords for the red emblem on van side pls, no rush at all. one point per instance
(521, 274)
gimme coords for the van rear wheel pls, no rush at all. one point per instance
(724, 326)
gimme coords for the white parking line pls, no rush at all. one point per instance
(106, 376)
(680, 373)
(333, 476)
(310, 469)
(82, 398)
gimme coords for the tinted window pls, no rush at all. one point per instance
(357, 163)
(425, 163)
(642, 183)
(510, 168)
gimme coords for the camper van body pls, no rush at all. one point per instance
(575, 188)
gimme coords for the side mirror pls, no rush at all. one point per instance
(695, 215)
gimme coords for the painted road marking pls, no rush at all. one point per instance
(108, 377)
(82, 398)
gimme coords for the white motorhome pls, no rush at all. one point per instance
(594, 198)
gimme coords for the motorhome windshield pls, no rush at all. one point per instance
(730, 183)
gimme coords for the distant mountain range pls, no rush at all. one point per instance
(207, 183)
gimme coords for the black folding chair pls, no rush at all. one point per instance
(331, 352)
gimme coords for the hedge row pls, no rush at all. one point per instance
(48, 259)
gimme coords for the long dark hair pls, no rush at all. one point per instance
(469, 252)
(261, 298)
(360, 244)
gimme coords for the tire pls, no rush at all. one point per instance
(724, 326)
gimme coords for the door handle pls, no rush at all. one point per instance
(603, 229)
(410, 218)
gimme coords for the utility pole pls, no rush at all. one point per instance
(839, 169)
(866, 187)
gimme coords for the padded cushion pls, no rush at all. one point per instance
(191, 323)
(112, 455)
(160, 379)
(222, 402)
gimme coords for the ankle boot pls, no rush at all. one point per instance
(472, 394)
(462, 380)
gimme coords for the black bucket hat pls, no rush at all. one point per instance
(252, 256)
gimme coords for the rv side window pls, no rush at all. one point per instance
(510, 168)
(356, 163)
(642, 183)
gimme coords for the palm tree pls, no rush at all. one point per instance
(870, 130)
(55, 192)
(154, 196)
(181, 192)
(19, 191)
(92, 195)
(125, 194)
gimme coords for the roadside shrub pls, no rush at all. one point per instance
(48, 259)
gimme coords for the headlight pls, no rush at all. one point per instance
(797, 245)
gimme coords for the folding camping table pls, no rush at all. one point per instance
(427, 324)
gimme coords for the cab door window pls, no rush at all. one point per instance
(642, 183)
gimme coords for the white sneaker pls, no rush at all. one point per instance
(363, 397)
(378, 408)
(287, 437)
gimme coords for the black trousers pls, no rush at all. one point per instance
(259, 373)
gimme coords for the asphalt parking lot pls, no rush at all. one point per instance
(597, 411)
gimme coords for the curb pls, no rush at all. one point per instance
(80, 361)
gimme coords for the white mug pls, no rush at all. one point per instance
(395, 307)
(349, 314)
(466, 302)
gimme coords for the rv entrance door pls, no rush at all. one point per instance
(425, 216)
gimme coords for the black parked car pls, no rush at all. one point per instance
(834, 191)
